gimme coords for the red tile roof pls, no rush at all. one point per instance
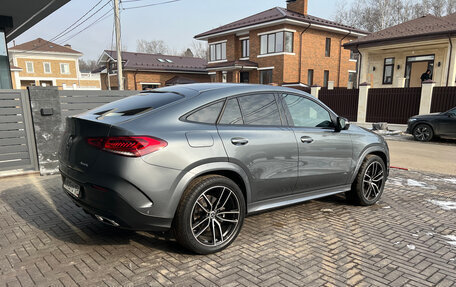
(418, 28)
(277, 13)
(158, 62)
(41, 45)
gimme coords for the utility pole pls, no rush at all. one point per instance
(119, 46)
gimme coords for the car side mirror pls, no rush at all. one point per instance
(342, 124)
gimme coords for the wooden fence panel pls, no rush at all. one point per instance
(393, 105)
(342, 101)
(443, 99)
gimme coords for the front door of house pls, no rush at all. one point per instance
(415, 67)
(418, 68)
(244, 77)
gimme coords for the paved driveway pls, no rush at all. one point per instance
(409, 239)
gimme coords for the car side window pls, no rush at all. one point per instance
(232, 114)
(260, 110)
(307, 113)
(207, 115)
(452, 112)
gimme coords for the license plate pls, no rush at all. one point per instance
(72, 187)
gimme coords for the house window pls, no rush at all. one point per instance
(218, 52)
(310, 77)
(352, 78)
(388, 71)
(64, 68)
(266, 77)
(353, 56)
(47, 67)
(328, 47)
(146, 87)
(29, 67)
(326, 79)
(245, 48)
(276, 43)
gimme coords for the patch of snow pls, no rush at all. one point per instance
(415, 235)
(395, 181)
(411, 246)
(327, 210)
(445, 205)
(386, 207)
(449, 180)
(396, 243)
(430, 234)
(411, 182)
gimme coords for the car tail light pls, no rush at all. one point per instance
(128, 146)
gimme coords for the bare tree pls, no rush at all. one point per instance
(375, 15)
(152, 47)
(200, 50)
(187, 53)
(87, 66)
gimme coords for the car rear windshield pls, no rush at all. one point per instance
(136, 105)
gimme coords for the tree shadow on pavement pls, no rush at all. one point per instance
(56, 215)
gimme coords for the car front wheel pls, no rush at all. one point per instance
(210, 214)
(369, 183)
(423, 133)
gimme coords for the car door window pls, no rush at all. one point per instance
(260, 110)
(452, 112)
(232, 113)
(208, 114)
(307, 113)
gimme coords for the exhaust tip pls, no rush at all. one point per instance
(106, 220)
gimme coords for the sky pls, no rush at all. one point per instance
(175, 23)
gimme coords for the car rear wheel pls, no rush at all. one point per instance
(423, 132)
(369, 183)
(210, 214)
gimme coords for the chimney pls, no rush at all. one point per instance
(298, 6)
(67, 45)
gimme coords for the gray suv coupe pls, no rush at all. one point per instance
(198, 158)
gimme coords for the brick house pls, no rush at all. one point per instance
(282, 46)
(142, 71)
(43, 63)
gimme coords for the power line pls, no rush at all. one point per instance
(149, 5)
(66, 31)
(82, 17)
(103, 17)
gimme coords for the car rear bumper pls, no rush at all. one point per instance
(113, 207)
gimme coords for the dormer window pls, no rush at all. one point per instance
(161, 60)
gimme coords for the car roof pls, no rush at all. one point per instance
(190, 89)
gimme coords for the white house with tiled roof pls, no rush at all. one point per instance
(43, 63)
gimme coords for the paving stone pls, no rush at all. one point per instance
(56, 244)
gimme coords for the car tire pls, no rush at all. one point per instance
(423, 133)
(369, 183)
(210, 214)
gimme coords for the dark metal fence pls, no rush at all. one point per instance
(443, 99)
(17, 146)
(394, 105)
(342, 101)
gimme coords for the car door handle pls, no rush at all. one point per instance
(307, 140)
(239, 141)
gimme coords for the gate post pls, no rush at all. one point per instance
(426, 97)
(315, 90)
(362, 102)
(47, 122)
